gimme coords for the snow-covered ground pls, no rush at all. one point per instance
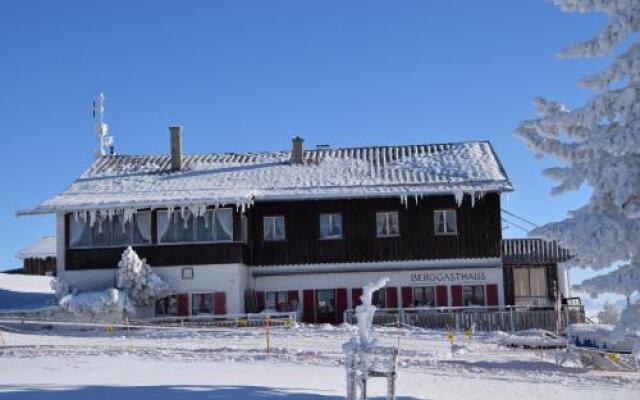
(304, 363)
(25, 291)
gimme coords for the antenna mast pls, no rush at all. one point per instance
(102, 128)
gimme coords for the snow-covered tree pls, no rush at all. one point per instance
(624, 280)
(138, 281)
(609, 314)
(599, 144)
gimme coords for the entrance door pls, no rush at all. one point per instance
(326, 306)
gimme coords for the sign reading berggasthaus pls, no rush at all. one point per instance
(448, 277)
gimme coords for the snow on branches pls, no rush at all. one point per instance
(599, 143)
(624, 280)
(138, 281)
(609, 314)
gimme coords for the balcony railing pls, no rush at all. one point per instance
(503, 318)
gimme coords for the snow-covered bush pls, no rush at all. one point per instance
(599, 144)
(104, 302)
(60, 288)
(138, 281)
(609, 314)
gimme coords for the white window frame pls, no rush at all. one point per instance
(331, 217)
(436, 222)
(387, 218)
(274, 237)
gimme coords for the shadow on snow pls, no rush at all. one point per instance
(196, 392)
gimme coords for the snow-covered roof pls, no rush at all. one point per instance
(41, 248)
(135, 181)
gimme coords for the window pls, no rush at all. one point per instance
(473, 295)
(330, 226)
(167, 306)
(111, 231)
(213, 226)
(101, 231)
(187, 273)
(202, 303)
(379, 298)
(325, 301)
(424, 296)
(274, 228)
(530, 282)
(387, 224)
(80, 232)
(444, 222)
(276, 301)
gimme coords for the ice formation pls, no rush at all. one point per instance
(363, 355)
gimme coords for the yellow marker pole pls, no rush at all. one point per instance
(266, 325)
(451, 337)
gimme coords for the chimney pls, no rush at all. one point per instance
(296, 152)
(176, 148)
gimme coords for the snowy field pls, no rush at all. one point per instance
(304, 363)
(25, 292)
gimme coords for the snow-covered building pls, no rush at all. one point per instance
(39, 257)
(292, 230)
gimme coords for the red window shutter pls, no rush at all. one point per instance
(392, 297)
(492, 295)
(341, 304)
(308, 306)
(183, 305)
(260, 301)
(456, 294)
(355, 297)
(292, 298)
(442, 299)
(220, 303)
(407, 296)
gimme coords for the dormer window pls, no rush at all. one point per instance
(445, 222)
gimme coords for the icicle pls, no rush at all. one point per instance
(127, 216)
(459, 196)
(92, 217)
(184, 213)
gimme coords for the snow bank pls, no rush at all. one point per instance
(20, 292)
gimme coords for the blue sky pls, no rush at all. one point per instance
(249, 75)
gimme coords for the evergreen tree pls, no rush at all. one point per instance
(599, 145)
(138, 281)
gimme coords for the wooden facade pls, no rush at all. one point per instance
(478, 235)
(39, 266)
(527, 253)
